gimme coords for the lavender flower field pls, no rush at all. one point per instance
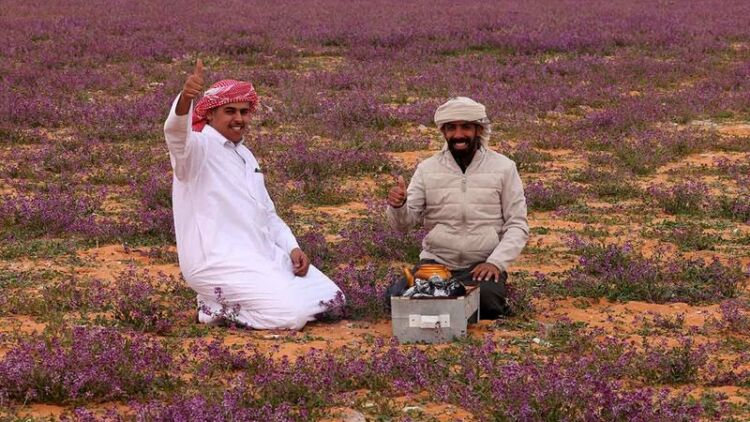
(630, 125)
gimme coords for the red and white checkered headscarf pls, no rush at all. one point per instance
(221, 93)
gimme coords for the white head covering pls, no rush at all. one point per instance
(464, 108)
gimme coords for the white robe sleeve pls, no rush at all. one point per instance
(185, 149)
(280, 233)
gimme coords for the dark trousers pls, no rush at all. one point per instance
(492, 294)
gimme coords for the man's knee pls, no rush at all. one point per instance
(493, 298)
(296, 319)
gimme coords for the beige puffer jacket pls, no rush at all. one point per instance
(479, 216)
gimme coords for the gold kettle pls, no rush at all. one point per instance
(425, 271)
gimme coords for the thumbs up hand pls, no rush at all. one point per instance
(397, 194)
(194, 83)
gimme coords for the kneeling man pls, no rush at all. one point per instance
(234, 251)
(471, 199)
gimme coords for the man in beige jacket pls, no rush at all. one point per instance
(471, 200)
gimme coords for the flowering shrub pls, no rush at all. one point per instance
(316, 248)
(648, 150)
(373, 238)
(607, 184)
(213, 358)
(680, 364)
(364, 289)
(683, 198)
(493, 387)
(84, 364)
(544, 197)
(620, 273)
(526, 157)
(736, 207)
(687, 236)
(739, 171)
(154, 215)
(147, 304)
(53, 212)
(735, 315)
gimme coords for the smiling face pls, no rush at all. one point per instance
(462, 136)
(231, 120)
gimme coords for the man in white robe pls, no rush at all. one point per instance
(234, 250)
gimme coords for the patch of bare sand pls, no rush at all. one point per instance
(315, 335)
(420, 406)
(493, 329)
(326, 62)
(413, 405)
(734, 129)
(551, 240)
(614, 316)
(362, 184)
(344, 212)
(564, 160)
(18, 324)
(343, 414)
(106, 262)
(410, 159)
(43, 411)
(539, 264)
(735, 395)
(7, 190)
(701, 161)
(118, 200)
(552, 221)
(55, 412)
(21, 324)
(739, 129)
(334, 336)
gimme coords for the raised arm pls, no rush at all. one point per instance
(192, 88)
(184, 149)
(406, 206)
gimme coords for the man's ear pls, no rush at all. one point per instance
(480, 129)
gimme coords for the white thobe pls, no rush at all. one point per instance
(229, 235)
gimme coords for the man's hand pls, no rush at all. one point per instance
(300, 261)
(192, 88)
(397, 194)
(485, 271)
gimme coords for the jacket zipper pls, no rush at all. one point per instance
(463, 219)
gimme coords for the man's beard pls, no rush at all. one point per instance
(465, 153)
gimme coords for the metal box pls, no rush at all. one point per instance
(434, 320)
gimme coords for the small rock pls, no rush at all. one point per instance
(541, 342)
(411, 409)
(351, 415)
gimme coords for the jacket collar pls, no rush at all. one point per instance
(446, 158)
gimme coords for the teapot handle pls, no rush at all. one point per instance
(409, 276)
